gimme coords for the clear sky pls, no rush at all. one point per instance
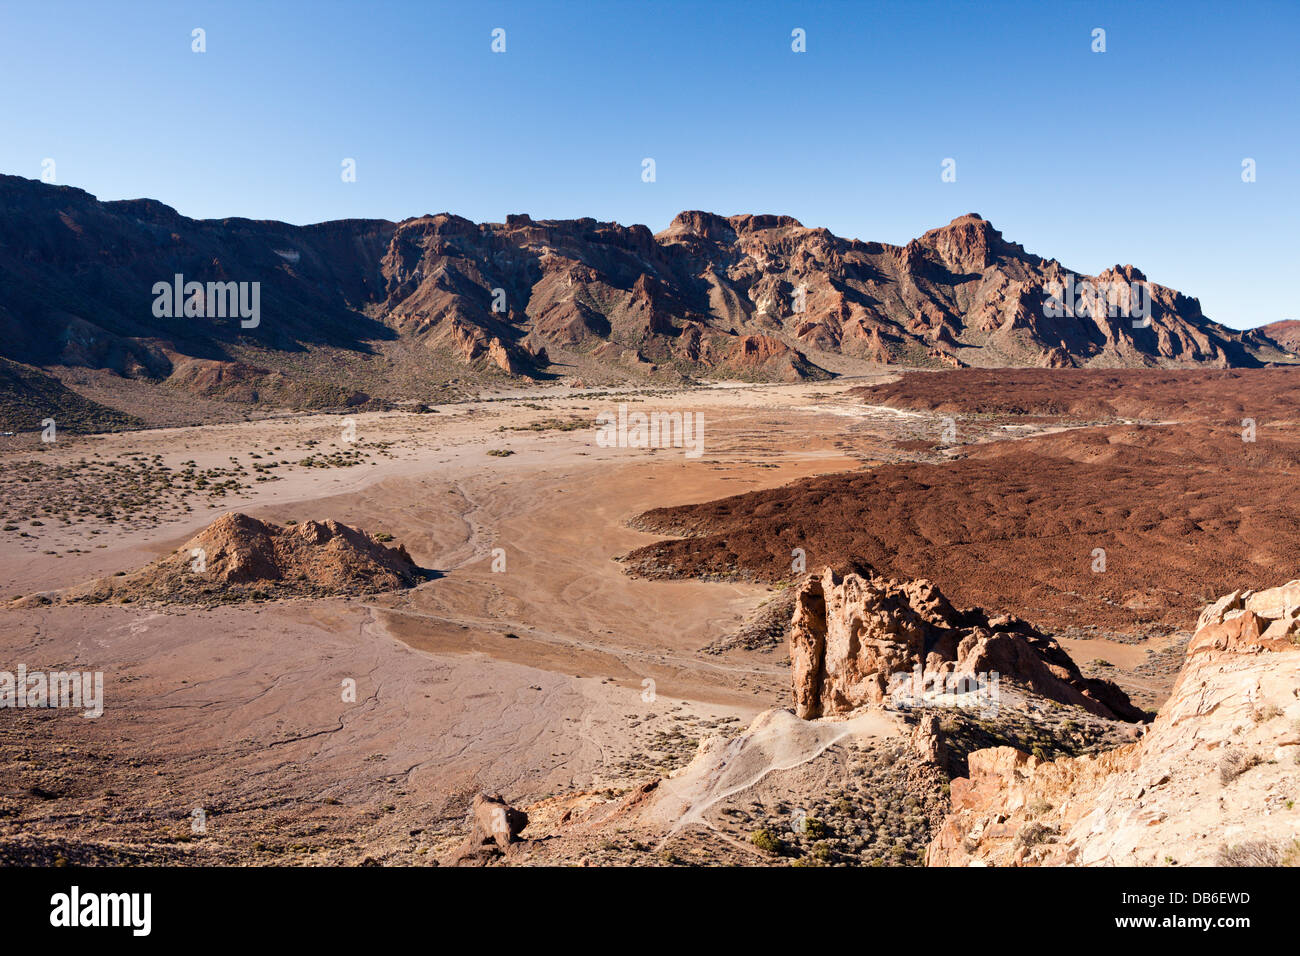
(1133, 155)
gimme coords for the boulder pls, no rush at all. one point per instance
(495, 821)
(927, 741)
(494, 827)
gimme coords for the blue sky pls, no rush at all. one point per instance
(1132, 155)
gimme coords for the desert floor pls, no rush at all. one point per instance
(531, 663)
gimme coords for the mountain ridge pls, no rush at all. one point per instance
(369, 307)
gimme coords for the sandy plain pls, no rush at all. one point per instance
(531, 663)
(528, 680)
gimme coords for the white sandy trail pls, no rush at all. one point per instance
(776, 740)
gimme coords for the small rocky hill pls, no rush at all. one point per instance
(239, 558)
(1285, 334)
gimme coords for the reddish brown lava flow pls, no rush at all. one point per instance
(1184, 508)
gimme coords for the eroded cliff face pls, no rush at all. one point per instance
(854, 636)
(756, 297)
(1214, 781)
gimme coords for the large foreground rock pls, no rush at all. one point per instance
(1214, 781)
(494, 827)
(853, 635)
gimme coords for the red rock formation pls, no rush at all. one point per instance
(852, 635)
(494, 827)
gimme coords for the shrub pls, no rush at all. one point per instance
(814, 828)
(1032, 834)
(1260, 853)
(765, 841)
(1235, 763)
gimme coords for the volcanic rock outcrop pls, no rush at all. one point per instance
(238, 558)
(852, 636)
(1214, 781)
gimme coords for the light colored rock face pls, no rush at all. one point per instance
(1215, 780)
(1280, 606)
(852, 636)
(848, 636)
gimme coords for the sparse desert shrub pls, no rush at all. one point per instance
(1261, 853)
(1039, 807)
(1235, 763)
(1032, 834)
(815, 828)
(765, 841)
(1267, 713)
